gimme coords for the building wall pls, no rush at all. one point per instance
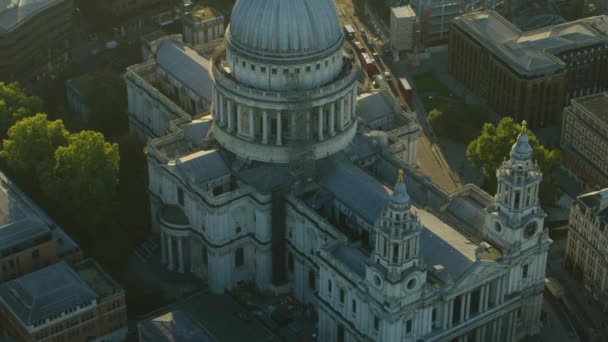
(27, 260)
(149, 110)
(38, 47)
(586, 250)
(538, 100)
(584, 141)
(200, 34)
(587, 69)
(402, 35)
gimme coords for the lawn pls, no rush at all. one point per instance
(454, 119)
(428, 83)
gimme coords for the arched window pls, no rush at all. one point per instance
(239, 257)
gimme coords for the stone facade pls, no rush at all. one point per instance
(517, 79)
(584, 140)
(586, 248)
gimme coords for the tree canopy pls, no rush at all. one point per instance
(15, 105)
(85, 175)
(493, 145)
(31, 144)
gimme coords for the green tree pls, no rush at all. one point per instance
(31, 144)
(15, 105)
(493, 145)
(84, 176)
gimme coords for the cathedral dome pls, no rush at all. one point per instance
(284, 28)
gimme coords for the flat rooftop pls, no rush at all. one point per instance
(532, 52)
(403, 12)
(596, 104)
(175, 326)
(365, 196)
(15, 12)
(97, 279)
(186, 65)
(22, 221)
(46, 292)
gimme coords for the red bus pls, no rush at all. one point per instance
(405, 89)
(370, 64)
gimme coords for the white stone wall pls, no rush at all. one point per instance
(281, 77)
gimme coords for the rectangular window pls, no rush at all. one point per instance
(36, 254)
(263, 69)
(525, 271)
(297, 70)
(341, 334)
(354, 306)
(311, 280)
(408, 326)
(244, 64)
(239, 257)
(376, 323)
(308, 68)
(252, 67)
(318, 66)
(342, 295)
(285, 71)
(329, 285)
(274, 71)
(180, 196)
(290, 262)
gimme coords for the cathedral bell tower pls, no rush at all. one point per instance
(395, 263)
(516, 216)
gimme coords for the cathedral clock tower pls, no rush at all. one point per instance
(516, 218)
(395, 268)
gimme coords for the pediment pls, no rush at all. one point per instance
(479, 272)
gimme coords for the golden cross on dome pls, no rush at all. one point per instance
(524, 126)
(400, 178)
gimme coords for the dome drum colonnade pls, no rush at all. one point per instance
(285, 83)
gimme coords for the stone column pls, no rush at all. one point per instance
(493, 332)
(486, 296)
(222, 112)
(450, 312)
(230, 117)
(332, 119)
(463, 302)
(446, 309)
(180, 252)
(215, 105)
(292, 125)
(320, 117)
(353, 104)
(481, 298)
(510, 327)
(497, 281)
(265, 127)
(238, 118)
(308, 130)
(279, 128)
(341, 118)
(171, 264)
(251, 124)
(163, 258)
(468, 308)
